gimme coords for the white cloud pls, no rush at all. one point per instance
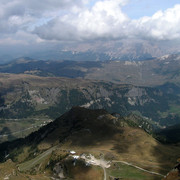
(104, 20)
(161, 26)
(82, 20)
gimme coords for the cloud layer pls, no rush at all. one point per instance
(162, 25)
(105, 20)
(82, 20)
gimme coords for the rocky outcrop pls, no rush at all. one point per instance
(174, 174)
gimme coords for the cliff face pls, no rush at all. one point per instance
(23, 96)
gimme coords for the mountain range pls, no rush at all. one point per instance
(153, 72)
(138, 132)
(31, 101)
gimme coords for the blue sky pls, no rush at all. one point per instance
(138, 8)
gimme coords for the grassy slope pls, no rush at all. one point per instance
(130, 173)
(125, 143)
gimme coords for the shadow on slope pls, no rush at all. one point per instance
(6, 133)
(97, 128)
(82, 127)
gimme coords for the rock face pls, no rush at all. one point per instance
(173, 174)
(24, 96)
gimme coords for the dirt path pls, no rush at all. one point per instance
(105, 178)
(129, 164)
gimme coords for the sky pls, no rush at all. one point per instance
(138, 8)
(30, 25)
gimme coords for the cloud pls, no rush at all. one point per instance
(20, 14)
(20, 38)
(162, 25)
(82, 21)
(106, 20)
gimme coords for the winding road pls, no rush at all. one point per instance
(29, 164)
(90, 159)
